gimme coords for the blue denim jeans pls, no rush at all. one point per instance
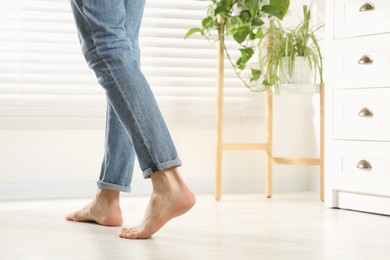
(108, 32)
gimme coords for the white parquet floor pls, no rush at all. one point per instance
(288, 226)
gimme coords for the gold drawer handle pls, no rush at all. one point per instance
(368, 6)
(365, 60)
(364, 165)
(366, 112)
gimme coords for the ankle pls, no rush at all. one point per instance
(161, 182)
(107, 195)
(165, 180)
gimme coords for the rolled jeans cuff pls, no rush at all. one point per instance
(110, 186)
(162, 166)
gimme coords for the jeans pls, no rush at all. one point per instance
(108, 32)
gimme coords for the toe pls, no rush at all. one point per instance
(128, 234)
(69, 217)
(124, 232)
(132, 233)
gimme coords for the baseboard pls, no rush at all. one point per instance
(46, 190)
(140, 187)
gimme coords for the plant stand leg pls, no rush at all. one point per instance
(268, 139)
(219, 126)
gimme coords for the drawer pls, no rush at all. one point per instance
(357, 18)
(361, 114)
(362, 167)
(362, 62)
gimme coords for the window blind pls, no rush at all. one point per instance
(44, 75)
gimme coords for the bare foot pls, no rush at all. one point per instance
(170, 198)
(104, 210)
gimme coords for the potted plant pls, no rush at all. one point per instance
(241, 21)
(291, 56)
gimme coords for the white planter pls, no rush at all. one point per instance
(299, 89)
(301, 81)
(301, 74)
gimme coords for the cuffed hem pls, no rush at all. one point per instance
(162, 166)
(110, 186)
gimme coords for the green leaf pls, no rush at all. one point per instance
(259, 34)
(236, 21)
(272, 10)
(257, 22)
(233, 24)
(253, 6)
(245, 16)
(210, 12)
(192, 31)
(241, 34)
(255, 75)
(230, 29)
(240, 64)
(266, 83)
(207, 22)
(281, 5)
(246, 54)
(240, 3)
(222, 10)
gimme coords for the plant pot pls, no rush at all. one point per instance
(299, 89)
(301, 72)
(300, 81)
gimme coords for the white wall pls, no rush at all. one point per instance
(63, 162)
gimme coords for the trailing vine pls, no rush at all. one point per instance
(242, 21)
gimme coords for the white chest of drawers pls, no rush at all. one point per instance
(357, 105)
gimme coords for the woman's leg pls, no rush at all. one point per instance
(117, 171)
(110, 53)
(119, 154)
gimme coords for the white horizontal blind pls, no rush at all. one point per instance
(44, 75)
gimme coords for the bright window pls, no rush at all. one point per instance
(44, 77)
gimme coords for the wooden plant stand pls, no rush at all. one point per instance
(267, 145)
